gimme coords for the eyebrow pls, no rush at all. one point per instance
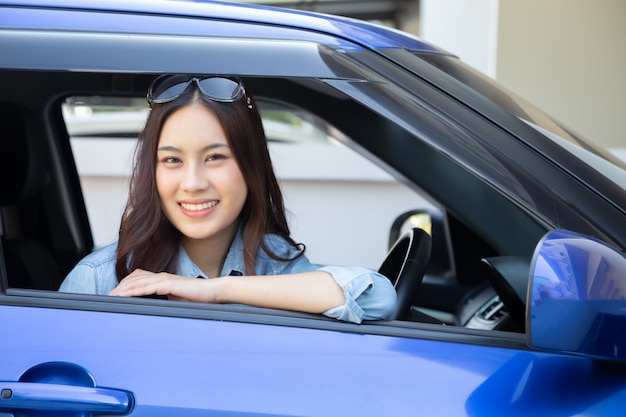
(204, 149)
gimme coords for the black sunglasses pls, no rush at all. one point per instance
(166, 88)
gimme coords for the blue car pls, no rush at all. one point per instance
(513, 303)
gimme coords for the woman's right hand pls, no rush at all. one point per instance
(142, 283)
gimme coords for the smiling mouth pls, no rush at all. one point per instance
(199, 207)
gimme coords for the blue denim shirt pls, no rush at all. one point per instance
(369, 295)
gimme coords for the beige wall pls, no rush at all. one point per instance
(569, 58)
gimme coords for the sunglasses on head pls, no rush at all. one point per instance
(166, 88)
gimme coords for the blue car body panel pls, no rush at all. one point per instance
(271, 22)
(206, 367)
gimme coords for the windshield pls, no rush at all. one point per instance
(604, 161)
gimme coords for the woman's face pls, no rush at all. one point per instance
(199, 182)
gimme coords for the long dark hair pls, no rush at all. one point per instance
(148, 240)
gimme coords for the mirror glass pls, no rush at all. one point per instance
(577, 297)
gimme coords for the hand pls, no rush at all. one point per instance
(175, 287)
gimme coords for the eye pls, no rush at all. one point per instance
(170, 160)
(215, 157)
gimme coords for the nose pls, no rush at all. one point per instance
(195, 178)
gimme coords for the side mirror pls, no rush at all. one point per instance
(577, 297)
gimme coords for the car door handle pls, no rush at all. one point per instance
(62, 388)
(56, 397)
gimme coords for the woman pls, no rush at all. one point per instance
(204, 203)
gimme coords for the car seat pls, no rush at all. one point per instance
(27, 262)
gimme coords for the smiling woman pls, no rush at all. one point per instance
(204, 203)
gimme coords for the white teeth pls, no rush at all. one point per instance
(198, 207)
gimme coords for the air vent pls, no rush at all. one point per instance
(493, 311)
(490, 315)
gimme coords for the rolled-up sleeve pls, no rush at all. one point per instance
(369, 295)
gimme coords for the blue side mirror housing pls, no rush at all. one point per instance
(577, 297)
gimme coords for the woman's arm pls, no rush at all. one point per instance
(309, 292)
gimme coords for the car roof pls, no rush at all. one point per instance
(364, 34)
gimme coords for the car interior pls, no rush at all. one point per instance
(45, 228)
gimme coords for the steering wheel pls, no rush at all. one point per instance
(404, 266)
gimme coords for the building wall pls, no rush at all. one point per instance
(568, 57)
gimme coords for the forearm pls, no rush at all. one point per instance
(311, 292)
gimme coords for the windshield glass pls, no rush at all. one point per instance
(604, 161)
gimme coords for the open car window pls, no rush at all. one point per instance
(352, 157)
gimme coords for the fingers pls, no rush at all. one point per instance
(140, 283)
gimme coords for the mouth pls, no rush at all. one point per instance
(199, 207)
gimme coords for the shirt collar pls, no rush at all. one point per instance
(233, 265)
